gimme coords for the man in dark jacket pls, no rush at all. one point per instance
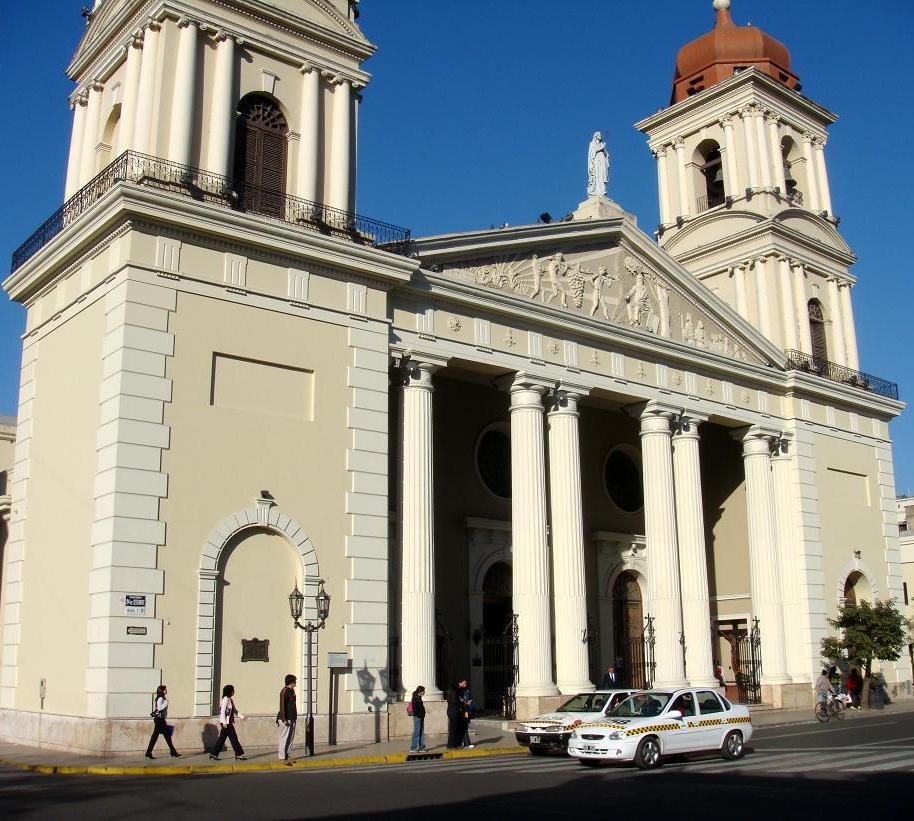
(456, 723)
(286, 718)
(610, 679)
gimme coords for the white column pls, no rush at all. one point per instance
(762, 295)
(739, 284)
(309, 163)
(813, 202)
(748, 117)
(662, 544)
(788, 307)
(663, 187)
(129, 92)
(693, 563)
(90, 133)
(530, 548)
(774, 149)
(354, 142)
(761, 139)
(764, 558)
(685, 194)
(221, 116)
(822, 176)
(180, 139)
(571, 662)
(802, 308)
(850, 331)
(417, 634)
(838, 349)
(789, 553)
(734, 188)
(340, 135)
(145, 98)
(74, 163)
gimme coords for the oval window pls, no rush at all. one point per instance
(493, 461)
(623, 481)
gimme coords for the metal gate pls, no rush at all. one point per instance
(748, 665)
(500, 670)
(638, 658)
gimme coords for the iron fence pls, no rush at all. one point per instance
(797, 360)
(500, 671)
(205, 186)
(639, 665)
(749, 666)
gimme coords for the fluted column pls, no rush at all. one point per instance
(761, 139)
(764, 558)
(74, 163)
(762, 295)
(221, 118)
(180, 139)
(417, 635)
(799, 298)
(685, 194)
(129, 89)
(734, 188)
(813, 202)
(340, 152)
(850, 331)
(530, 547)
(88, 167)
(663, 187)
(662, 544)
(145, 98)
(822, 175)
(774, 149)
(739, 284)
(788, 307)
(838, 349)
(309, 164)
(570, 596)
(748, 117)
(693, 563)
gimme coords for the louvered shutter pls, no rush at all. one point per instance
(260, 164)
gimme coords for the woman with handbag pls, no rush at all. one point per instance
(160, 725)
(227, 716)
(417, 711)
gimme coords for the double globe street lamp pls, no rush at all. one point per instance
(296, 606)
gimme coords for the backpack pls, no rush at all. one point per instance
(409, 708)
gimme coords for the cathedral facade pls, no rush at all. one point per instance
(515, 455)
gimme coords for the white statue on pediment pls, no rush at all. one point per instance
(597, 166)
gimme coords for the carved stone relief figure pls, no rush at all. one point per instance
(638, 303)
(601, 282)
(556, 269)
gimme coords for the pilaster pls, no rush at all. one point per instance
(180, 141)
(309, 164)
(221, 119)
(340, 152)
(146, 89)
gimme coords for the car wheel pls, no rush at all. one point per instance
(647, 756)
(732, 748)
(538, 750)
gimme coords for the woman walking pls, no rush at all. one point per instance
(160, 725)
(418, 712)
(227, 716)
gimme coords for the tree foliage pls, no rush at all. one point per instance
(867, 632)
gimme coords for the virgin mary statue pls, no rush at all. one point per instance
(597, 166)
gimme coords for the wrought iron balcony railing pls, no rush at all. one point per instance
(205, 186)
(800, 361)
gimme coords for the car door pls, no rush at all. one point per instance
(679, 733)
(711, 716)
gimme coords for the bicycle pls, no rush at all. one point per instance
(835, 705)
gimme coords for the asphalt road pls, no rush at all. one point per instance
(807, 771)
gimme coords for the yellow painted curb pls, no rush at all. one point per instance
(217, 769)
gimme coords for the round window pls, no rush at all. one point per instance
(493, 461)
(623, 481)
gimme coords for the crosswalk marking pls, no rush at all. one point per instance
(884, 763)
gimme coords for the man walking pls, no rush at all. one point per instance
(286, 718)
(610, 679)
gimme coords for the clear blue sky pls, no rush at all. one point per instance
(479, 112)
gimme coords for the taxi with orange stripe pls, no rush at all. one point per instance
(652, 724)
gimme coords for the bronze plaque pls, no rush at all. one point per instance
(255, 649)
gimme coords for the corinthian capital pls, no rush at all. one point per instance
(749, 110)
(725, 121)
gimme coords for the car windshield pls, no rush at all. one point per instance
(641, 704)
(584, 703)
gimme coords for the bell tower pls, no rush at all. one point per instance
(744, 197)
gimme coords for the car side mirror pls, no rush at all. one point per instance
(674, 714)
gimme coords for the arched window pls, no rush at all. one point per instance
(790, 153)
(817, 331)
(709, 180)
(260, 155)
(857, 589)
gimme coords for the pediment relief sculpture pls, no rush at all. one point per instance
(615, 286)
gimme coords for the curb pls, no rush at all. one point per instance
(203, 769)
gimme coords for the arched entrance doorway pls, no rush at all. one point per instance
(628, 630)
(499, 638)
(857, 589)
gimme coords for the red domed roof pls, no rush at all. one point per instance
(725, 49)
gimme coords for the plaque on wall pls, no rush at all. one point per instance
(255, 649)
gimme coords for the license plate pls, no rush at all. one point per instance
(588, 748)
(534, 739)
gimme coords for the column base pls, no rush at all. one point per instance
(788, 695)
(705, 683)
(531, 706)
(670, 685)
(571, 688)
(536, 690)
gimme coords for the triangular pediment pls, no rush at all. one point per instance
(621, 279)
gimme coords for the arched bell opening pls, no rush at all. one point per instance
(709, 173)
(260, 155)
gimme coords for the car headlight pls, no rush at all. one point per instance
(615, 736)
(574, 733)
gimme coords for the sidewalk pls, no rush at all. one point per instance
(494, 738)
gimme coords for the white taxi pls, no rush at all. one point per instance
(551, 731)
(655, 723)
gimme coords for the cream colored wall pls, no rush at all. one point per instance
(61, 508)
(222, 457)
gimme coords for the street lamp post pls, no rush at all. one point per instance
(296, 606)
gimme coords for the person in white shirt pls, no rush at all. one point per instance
(227, 716)
(161, 727)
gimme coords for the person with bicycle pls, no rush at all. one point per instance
(823, 688)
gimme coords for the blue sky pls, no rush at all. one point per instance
(479, 113)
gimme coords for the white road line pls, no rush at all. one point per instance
(851, 725)
(752, 761)
(907, 760)
(832, 763)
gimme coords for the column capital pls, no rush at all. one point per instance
(772, 117)
(152, 25)
(307, 68)
(185, 21)
(726, 121)
(757, 439)
(656, 417)
(749, 110)
(565, 398)
(659, 151)
(687, 424)
(527, 391)
(782, 447)
(678, 143)
(417, 368)
(222, 35)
